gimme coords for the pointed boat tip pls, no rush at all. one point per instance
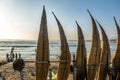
(88, 11)
(43, 7)
(76, 22)
(117, 26)
(54, 15)
(114, 18)
(44, 11)
(90, 14)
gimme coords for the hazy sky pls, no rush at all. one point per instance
(20, 19)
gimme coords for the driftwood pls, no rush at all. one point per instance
(64, 67)
(42, 50)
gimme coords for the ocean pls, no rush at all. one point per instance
(27, 48)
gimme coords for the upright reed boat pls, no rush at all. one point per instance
(94, 54)
(80, 55)
(65, 57)
(105, 57)
(42, 55)
(116, 56)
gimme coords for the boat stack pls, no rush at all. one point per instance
(97, 66)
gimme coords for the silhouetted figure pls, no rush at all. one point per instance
(7, 57)
(16, 56)
(19, 56)
(13, 55)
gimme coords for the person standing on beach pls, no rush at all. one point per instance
(16, 56)
(19, 56)
(7, 57)
(13, 56)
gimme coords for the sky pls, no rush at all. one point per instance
(20, 19)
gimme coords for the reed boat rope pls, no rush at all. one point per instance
(99, 64)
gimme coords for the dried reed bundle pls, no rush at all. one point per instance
(94, 54)
(80, 55)
(116, 56)
(105, 56)
(42, 50)
(64, 67)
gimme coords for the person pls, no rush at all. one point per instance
(7, 57)
(13, 55)
(19, 56)
(16, 56)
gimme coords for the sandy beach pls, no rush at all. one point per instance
(8, 73)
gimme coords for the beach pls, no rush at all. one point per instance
(27, 50)
(7, 71)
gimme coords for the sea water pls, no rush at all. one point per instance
(27, 48)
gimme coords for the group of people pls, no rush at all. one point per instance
(12, 57)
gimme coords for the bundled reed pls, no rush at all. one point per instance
(116, 56)
(105, 57)
(80, 55)
(42, 54)
(94, 54)
(64, 67)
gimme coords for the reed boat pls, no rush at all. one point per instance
(105, 57)
(65, 57)
(116, 56)
(42, 53)
(80, 55)
(94, 54)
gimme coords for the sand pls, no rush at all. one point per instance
(8, 73)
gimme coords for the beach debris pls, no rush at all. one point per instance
(80, 55)
(116, 56)
(64, 67)
(105, 57)
(42, 53)
(94, 54)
